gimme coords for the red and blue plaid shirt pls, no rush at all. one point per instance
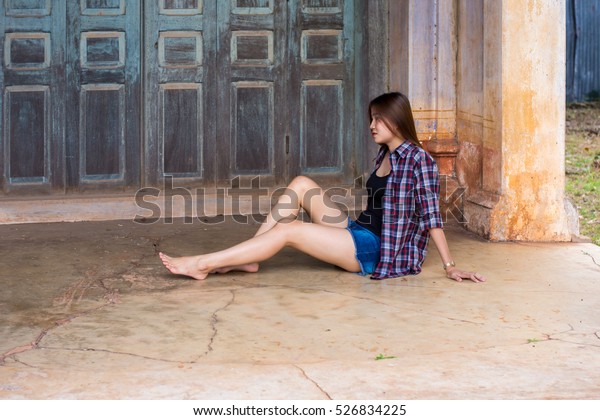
(410, 209)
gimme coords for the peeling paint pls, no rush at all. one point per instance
(523, 144)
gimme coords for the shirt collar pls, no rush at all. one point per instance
(400, 151)
(403, 149)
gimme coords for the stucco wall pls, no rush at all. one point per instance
(533, 122)
(486, 79)
(479, 111)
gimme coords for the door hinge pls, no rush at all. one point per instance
(287, 145)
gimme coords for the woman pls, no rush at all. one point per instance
(388, 239)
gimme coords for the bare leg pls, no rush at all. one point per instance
(329, 244)
(304, 193)
(301, 193)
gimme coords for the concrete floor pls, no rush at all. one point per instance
(87, 311)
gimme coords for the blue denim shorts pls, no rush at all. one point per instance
(367, 247)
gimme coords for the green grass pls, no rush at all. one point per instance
(383, 357)
(583, 165)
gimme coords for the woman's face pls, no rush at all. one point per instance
(382, 134)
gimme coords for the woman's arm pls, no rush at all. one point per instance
(452, 272)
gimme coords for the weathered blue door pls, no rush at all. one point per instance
(116, 94)
(288, 70)
(32, 100)
(103, 64)
(246, 88)
(179, 90)
(70, 95)
(321, 95)
(253, 90)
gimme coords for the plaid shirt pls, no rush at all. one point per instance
(410, 209)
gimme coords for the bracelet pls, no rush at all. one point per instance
(449, 264)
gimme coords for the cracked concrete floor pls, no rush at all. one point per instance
(87, 311)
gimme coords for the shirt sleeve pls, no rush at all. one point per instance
(427, 185)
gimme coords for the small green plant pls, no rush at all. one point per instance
(381, 356)
(532, 340)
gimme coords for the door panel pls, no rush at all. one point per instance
(251, 129)
(180, 125)
(322, 91)
(32, 84)
(23, 9)
(179, 92)
(322, 125)
(103, 109)
(102, 144)
(27, 112)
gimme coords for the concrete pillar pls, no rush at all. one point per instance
(422, 53)
(520, 193)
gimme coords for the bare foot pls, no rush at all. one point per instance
(187, 266)
(248, 268)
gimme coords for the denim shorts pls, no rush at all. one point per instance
(367, 247)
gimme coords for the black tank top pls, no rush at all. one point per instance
(372, 217)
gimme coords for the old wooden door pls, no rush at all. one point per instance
(321, 98)
(286, 92)
(179, 91)
(103, 94)
(253, 99)
(71, 91)
(286, 83)
(116, 94)
(32, 84)
(247, 88)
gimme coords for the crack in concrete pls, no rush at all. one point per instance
(35, 344)
(112, 296)
(81, 287)
(120, 353)
(16, 359)
(550, 337)
(574, 342)
(76, 293)
(70, 294)
(591, 256)
(214, 319)
(314, 382)
(396, 307)
(547, 337)
(571, 329)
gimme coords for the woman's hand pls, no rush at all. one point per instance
(452, 272)
(457, 274)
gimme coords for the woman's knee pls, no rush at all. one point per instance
(304, 189)
(302, 183)
(285, 230)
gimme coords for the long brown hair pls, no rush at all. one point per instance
(395, 111)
